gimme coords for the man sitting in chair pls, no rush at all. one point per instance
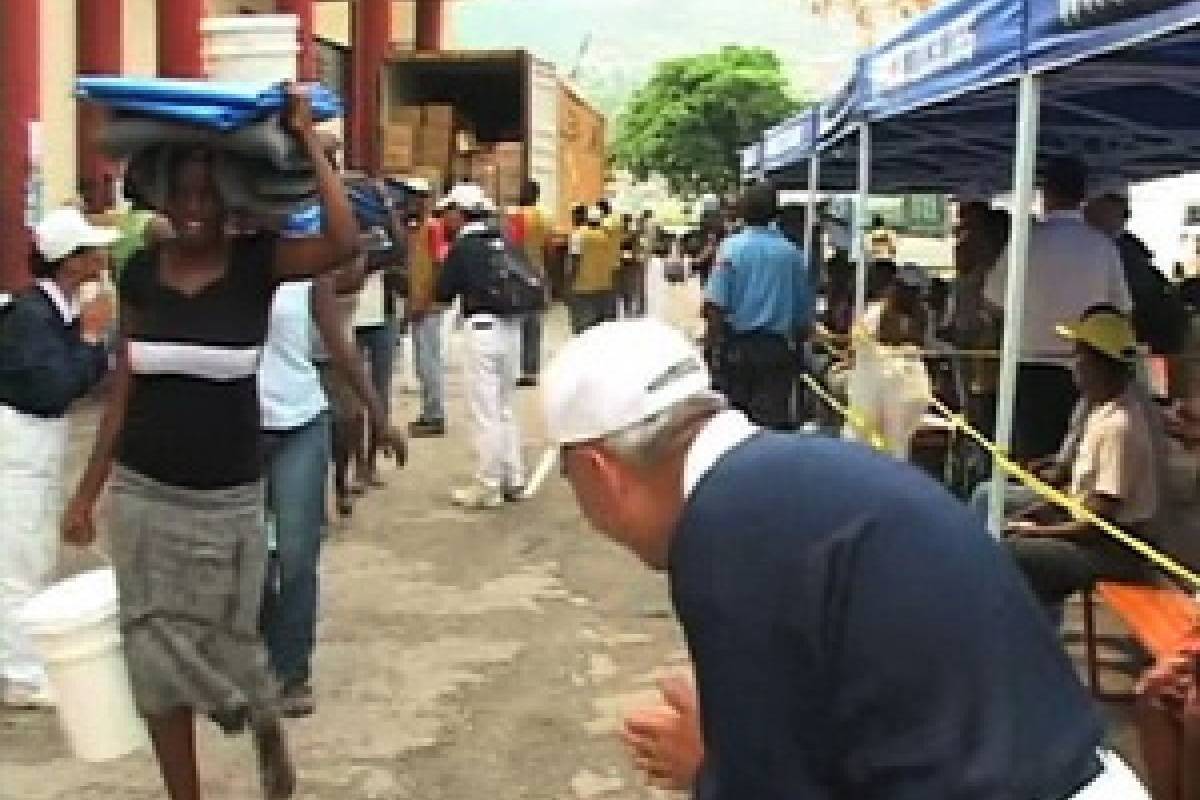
(1110, 461)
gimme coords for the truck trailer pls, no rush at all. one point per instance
(497, 118)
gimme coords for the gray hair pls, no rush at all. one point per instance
(649, 441)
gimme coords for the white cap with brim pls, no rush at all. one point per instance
(468, 197)
(66, 230)
(418, 185)
(616, 375)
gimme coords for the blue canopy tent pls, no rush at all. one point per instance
(752, 162)
(949, 100)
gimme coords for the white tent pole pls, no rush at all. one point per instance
(810, 217)
(860, 219)
(1024, 166)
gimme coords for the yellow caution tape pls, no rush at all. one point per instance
(860, 423)
(1071, 505)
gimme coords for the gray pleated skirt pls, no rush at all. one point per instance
(191, 566)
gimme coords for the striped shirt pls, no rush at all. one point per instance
(193, 413)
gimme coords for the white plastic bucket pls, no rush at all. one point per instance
(266, 65)
(73, 625)
(255, 48)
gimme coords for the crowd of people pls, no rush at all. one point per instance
(245, 372)
(247, 375)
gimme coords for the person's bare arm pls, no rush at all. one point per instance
(344, 358)
(308, 256)
(1103, 506)
(78, 527)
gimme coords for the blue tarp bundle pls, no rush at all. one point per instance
(224, 106)
(259, 166)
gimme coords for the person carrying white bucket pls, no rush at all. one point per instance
(50, 355)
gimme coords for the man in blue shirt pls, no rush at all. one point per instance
(856, 634)
(758, 307)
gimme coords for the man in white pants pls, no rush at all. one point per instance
(493, 344)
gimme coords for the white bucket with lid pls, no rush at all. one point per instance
(73, 625)
(253, 48)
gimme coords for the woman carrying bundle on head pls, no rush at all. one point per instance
(181, 440)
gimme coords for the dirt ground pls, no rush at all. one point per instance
(460, 655)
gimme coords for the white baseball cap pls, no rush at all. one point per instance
(468, 197)
(65, 230)
(418, 184)
(617, 374)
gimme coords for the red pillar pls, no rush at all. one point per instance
(20, 105)
(306, 63)
(99, 41)
(428, 35)
(180, 44)
(372, 40)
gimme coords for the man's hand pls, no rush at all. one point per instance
(297, 113)
(665, 740)
(392, 441)
(94, 318)
(78, 528)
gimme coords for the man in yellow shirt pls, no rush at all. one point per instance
(592, 273)
(529, 230)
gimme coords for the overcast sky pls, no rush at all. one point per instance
(629, 36)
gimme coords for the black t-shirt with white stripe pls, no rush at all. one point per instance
(193, 414)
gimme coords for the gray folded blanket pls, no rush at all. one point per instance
(125, 135)
(245, 184)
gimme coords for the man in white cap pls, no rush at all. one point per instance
(493, 339)
(1159, 316)
(855, 633)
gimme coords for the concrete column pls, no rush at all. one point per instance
(20, 105)
(430, 18)
(99, 27)
(371, 41)
(306, 63)
(180, 44)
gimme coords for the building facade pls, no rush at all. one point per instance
(46, 156)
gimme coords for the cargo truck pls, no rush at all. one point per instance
(497, 118)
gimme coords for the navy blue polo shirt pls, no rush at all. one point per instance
(856, 634)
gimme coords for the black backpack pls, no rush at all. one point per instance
(513, 286)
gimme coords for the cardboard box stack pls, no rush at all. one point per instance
(419, 141)
(397, 150)
(509, 157)
(434, 142)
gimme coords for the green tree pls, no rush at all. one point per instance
(692, 116)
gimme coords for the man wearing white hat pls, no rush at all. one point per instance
(854, 632)
(493, 343)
